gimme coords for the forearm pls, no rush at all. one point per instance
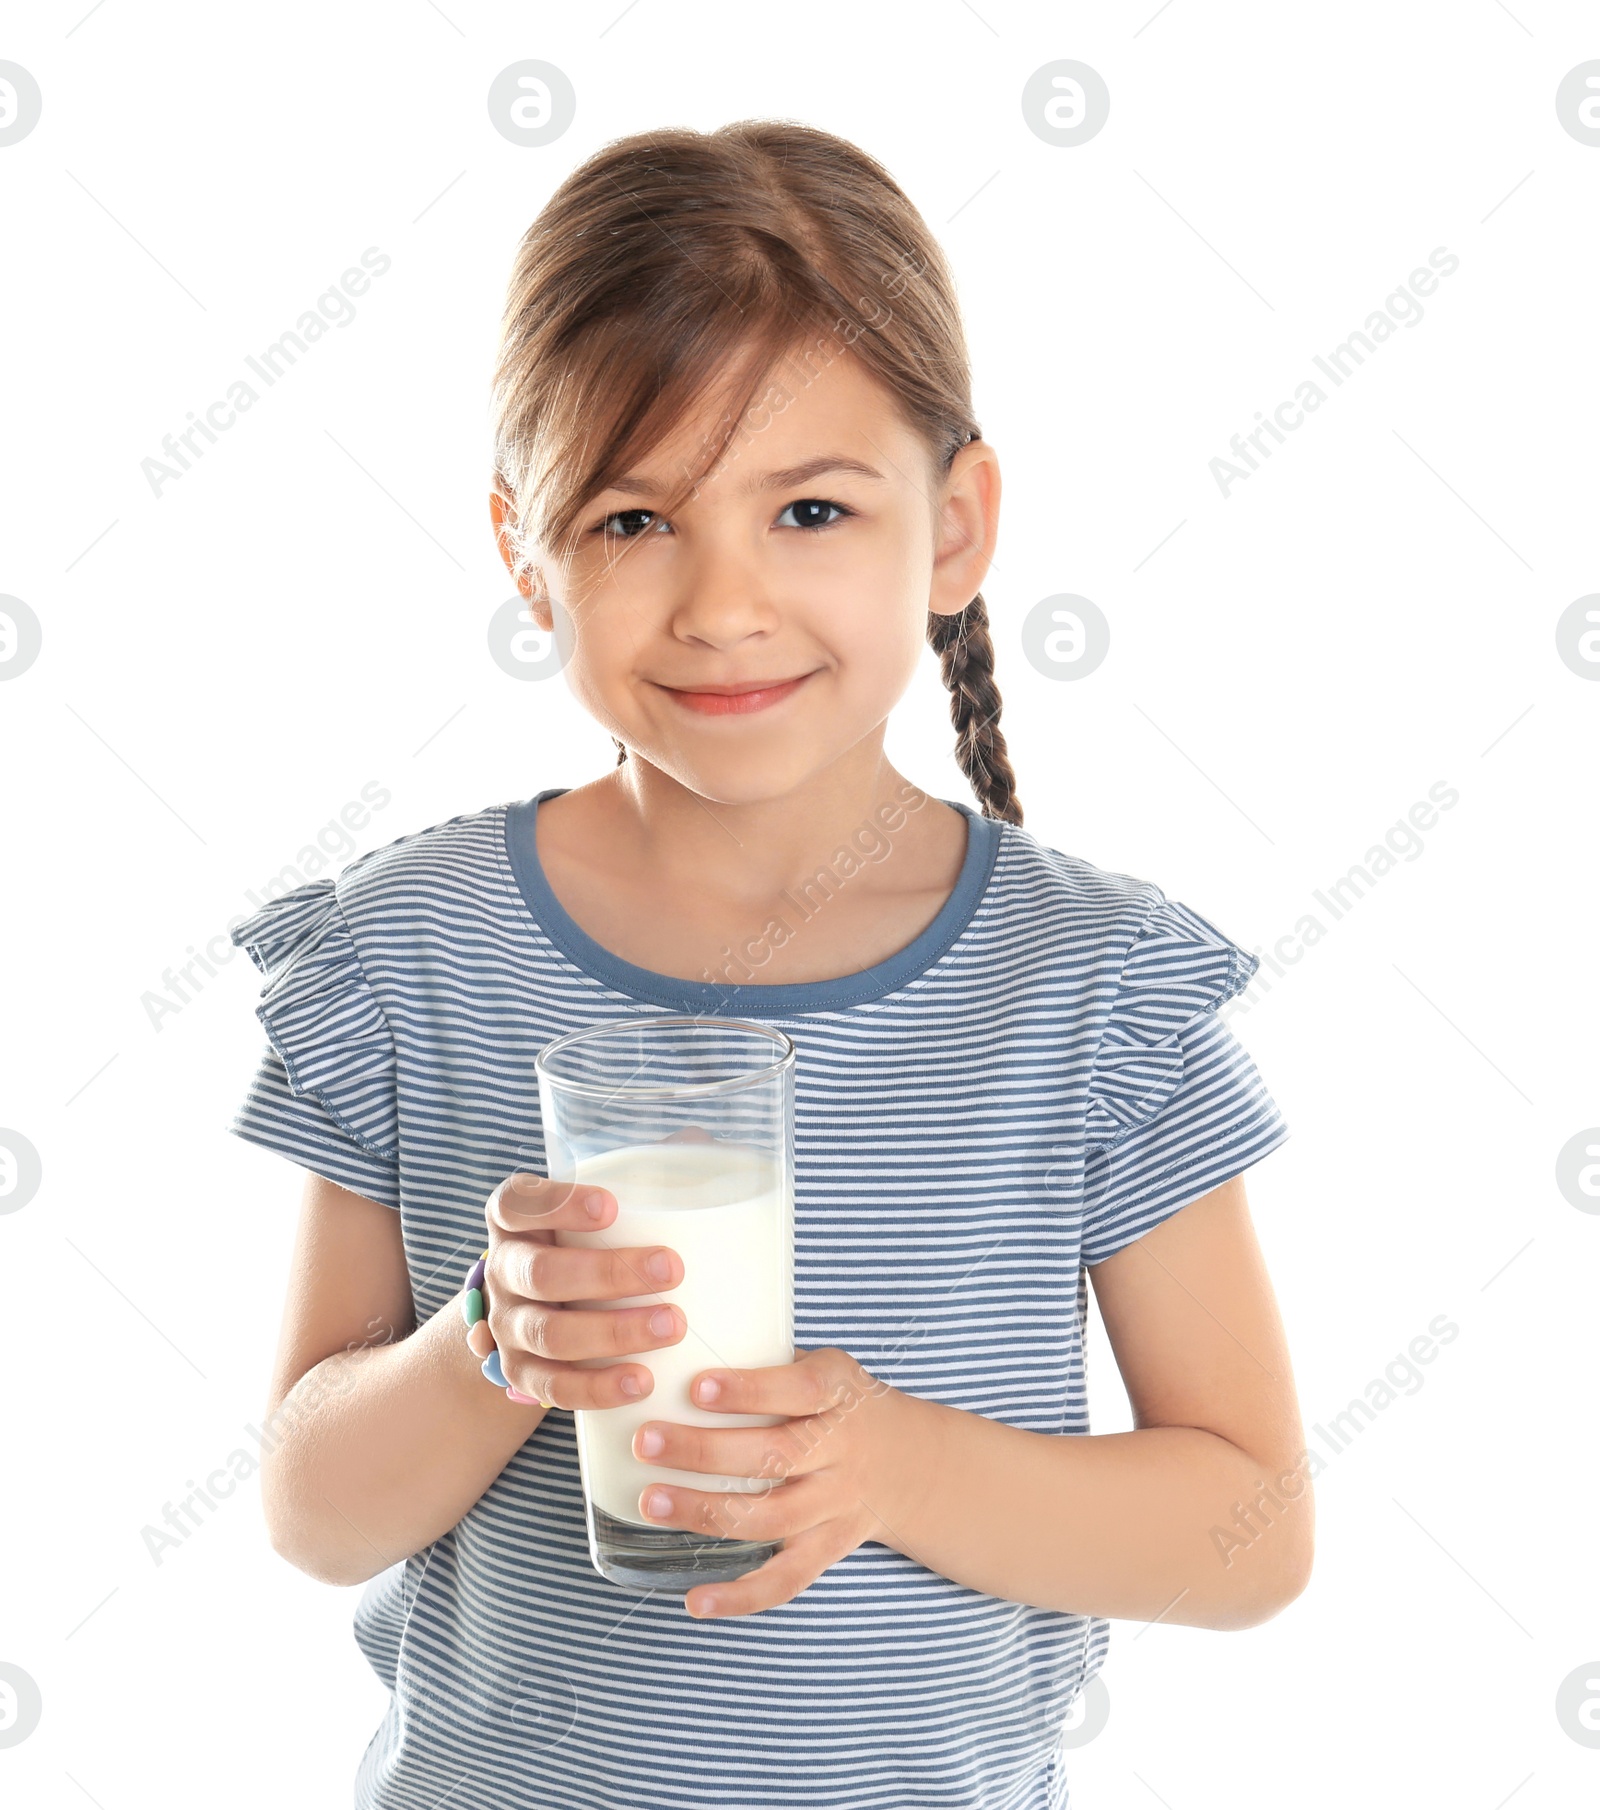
(1174, 1523)
(377, 1451)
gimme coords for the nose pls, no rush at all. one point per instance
(725, 599)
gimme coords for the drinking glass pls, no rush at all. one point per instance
(689, 1122)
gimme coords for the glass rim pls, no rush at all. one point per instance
(695, 1090)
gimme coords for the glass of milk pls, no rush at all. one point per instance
(689, 1122)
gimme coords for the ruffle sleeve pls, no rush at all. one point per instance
(325, 1092)
(1176, 1105)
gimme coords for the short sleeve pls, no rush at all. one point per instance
(324, 1094)
(1176, 1105)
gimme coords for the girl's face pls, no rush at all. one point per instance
(805, 563)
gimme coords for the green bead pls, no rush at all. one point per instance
(472, 1306)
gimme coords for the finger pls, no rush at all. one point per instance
(799, 1564)
(772, 1514)
(526, 1202)
(818, 1382)
(770, 1453)
(561, 1272)
(563, 1335)
(575, 1386)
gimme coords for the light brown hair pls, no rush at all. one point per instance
(670, 257)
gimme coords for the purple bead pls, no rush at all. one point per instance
(475, 1275)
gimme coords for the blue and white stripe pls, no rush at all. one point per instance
(1038, 1079)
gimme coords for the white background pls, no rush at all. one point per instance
(305, 610)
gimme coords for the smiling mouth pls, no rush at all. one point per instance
(737, 700)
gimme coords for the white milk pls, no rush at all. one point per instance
(721, 1207)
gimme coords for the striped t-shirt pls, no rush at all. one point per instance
(1034, 1081)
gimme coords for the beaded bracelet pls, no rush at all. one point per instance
(475, 1308)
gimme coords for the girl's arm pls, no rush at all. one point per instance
(1201, 1515)
(380, 1434)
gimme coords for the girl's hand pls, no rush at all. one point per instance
(529, 1276)
(847, 1467)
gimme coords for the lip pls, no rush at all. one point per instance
(738, 700)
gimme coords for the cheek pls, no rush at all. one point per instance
(879, 666)
(599, 640)
(872, 604)
(592, 665)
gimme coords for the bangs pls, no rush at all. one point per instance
(617, 407)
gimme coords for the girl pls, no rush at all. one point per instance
(738, 476)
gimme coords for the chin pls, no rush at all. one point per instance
(739, 777)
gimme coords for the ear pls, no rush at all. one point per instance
(529, 584)
(967, 528)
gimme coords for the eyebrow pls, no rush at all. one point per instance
(786, 479)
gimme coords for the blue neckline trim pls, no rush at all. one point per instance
(708, 998)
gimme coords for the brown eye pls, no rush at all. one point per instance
(624, 515)
(806, 505)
